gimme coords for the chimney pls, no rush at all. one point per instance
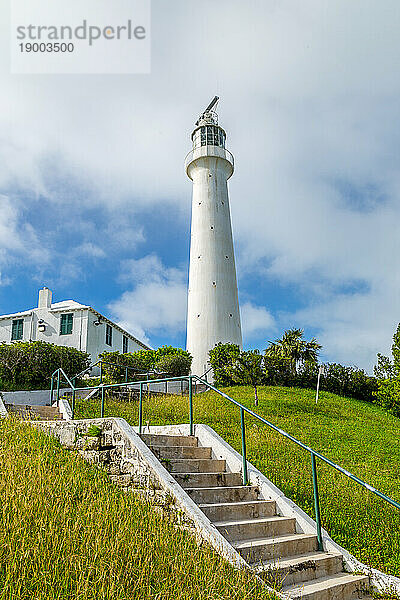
(45, 298)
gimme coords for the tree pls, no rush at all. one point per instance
(293, 348)
(387, 372)
(221, 357)
(247, 369)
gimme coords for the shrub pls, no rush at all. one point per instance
(387, 372)
(29, 365)
(143, 361)
(221, 359)
(247, 369)
(174, 365)
(350, 382)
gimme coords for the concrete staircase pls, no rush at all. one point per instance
(273, 545)
(42, 413)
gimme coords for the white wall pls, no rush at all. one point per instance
(213, 307)
(96, 339)
(6, 327)
(76, 339)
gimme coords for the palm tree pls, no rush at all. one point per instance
(294, 348)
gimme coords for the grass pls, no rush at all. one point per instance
(358, 436)
(67, 532)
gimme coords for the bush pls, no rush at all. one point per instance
(221, 359)
(29, 365)
(387, 372)
(350, 382)
(144, 361)
(247, 369)
(388, 395)
(174, 365)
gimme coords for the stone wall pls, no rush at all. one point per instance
(101, 443)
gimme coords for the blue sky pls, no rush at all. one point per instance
(95, 204)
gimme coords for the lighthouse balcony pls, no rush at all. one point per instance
(215, 151)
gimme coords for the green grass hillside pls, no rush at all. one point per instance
(360, 437)
(68, 533)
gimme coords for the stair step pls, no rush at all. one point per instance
(194, 465)
(342, 586)
(296, 569)
(263, 527)
(26, 411)
(176, 452)
(207, 480)
(229, 494)
(225, 511)
(168, 440)
(258, 550)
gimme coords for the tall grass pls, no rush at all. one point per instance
(68, 533)
(359, 436)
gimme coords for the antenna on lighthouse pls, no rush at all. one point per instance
(209, 111)
(213, 103)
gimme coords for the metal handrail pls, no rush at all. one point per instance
(203, 151)
(105, 362)
(314, 455)
(243, 409)
(205, 373)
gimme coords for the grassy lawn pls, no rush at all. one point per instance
(68, 533)
(358, 436)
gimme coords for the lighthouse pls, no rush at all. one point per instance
(213, 305)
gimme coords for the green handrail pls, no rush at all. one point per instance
(243, 409)
(314, 455)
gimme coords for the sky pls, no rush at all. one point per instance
(95, 203)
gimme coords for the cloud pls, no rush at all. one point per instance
(257, 321)
(18, 238)
(157, 304)
(310, 105)
(89, 249)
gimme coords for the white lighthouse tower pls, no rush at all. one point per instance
(213, 306)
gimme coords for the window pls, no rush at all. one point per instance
(203, 136)
(108, 335)
(17, 329)
(124, 344)
(66, 324)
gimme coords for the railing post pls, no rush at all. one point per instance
(190, 405)
(102, 402)
(73, 402)
(101, 372)
(58, 387)
(140, 407)
(166, 387)
(316, 501)
(51, 390)
(126, 374)
(244, 455)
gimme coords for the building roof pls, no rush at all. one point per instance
(68, 305)
(24, 313)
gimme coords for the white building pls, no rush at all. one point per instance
(213, 306)
(68, 323)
